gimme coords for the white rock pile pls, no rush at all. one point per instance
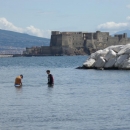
(112, 57)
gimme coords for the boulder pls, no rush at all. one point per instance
(120, 60)
(110, 63)
(95, 55)
(115, 48)
(100, 62)
(126, 64)
(110, 54)
(113, 57)
(99, 53)
(125, 50)
(104, 52)
(89, 63)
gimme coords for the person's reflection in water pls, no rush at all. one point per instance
(19, 89)
(51, 85)
(50, 92)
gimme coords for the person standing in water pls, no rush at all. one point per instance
(18, 80)
(50, 78)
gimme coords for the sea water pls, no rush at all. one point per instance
(79, 100)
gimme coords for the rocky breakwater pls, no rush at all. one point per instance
(112, 57)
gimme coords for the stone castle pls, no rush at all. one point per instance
(77, 43)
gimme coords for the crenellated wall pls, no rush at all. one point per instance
(78, 43)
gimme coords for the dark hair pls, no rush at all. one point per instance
(21, 75)
(48, 71)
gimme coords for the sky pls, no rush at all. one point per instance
(40, 17)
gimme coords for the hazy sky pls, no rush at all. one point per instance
(40, 17)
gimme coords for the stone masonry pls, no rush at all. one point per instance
(77, 43)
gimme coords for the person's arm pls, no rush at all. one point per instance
(21, 82)
(48, 79)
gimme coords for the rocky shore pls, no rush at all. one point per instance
(113, 57)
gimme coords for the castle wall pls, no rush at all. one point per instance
(72, 40)
(90, 44)
(123, 41)
(112, 41)
(78, 43)
(55, 32)
(77, 40)
(100, 36)
(56, 40)
(56, 50)
(45, 50)
(66, 40)
(128, 40)
(87, 36)
(59, 40)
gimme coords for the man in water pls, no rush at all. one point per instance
(50, 78)
(18, 80)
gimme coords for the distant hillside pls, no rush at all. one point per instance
(124, 31)
(14, 39)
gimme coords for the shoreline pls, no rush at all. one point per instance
(95, 68)
(22, 55)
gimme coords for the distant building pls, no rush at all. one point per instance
(77, 43)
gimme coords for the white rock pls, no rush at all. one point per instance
(120, 60)
(110, 63)
(89, 63)
(125, 50)
(126, 64)
(95, 55)
(99, 53)
(100, 62)
(115, 48)
(110, 54)
(104, 52)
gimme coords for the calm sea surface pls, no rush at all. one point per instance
(79, 100)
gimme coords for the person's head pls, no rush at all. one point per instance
(21, 76)
(48, 71)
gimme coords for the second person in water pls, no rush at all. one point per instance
(50, 78)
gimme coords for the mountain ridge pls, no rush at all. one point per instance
(15, 42)
(123, 31)
(16, 39)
